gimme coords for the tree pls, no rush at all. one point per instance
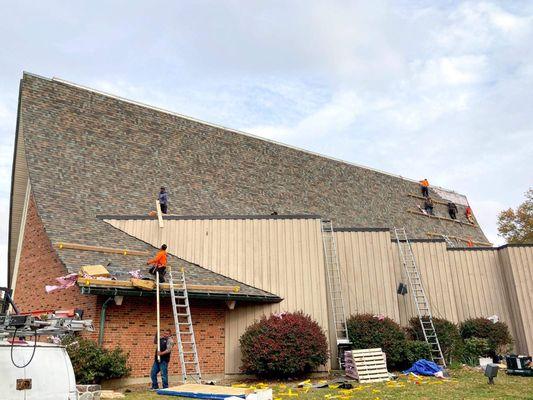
(517, 226)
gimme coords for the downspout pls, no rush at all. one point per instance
(102, 321)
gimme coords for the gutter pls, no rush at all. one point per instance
(111, 292)
(102, 321)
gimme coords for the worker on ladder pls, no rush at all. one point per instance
(159, 263)
(161, 359)
(163, 200)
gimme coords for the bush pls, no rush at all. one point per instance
(93, 364)
(450, 340)
(473, 349)
(365, 331)
(497, 334)
(283, 345)
(415, 350)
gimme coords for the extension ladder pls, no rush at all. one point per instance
(188, 352)
(334, 282)
(449, 243)
(419, 295)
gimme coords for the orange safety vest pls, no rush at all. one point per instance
(424, 183)
(160, 259)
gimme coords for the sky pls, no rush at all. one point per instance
(436, 89)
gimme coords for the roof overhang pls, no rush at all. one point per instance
(112, 291)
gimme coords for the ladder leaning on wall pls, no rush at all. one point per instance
(335, 286)
(181, 310)
(419, 295)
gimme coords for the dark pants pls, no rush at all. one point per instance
(162, 272)
(162, 367)
(429, 210)
(163, 208)
(453, 215)
(425, 191)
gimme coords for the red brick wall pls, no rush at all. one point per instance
(39, 266)
(131, 325)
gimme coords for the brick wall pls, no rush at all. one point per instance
(131, 325)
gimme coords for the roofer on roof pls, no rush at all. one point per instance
(428, 205)
(452, 210)
(424, 186)
(163, 200)
(159, 263)
(469, 216)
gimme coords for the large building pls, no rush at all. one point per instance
(88, 166)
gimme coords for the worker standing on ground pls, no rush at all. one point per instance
(159, 263)
(428, 205)
(424, 185)
(165, 348)
(452, 210)
(163, 200)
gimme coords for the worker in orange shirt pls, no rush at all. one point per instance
(159, 263)
(469, 216)
(424, 185)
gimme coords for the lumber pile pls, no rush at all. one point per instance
(366, 365)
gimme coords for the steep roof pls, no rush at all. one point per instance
(90, 154)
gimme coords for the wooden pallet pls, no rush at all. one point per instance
(367, 365)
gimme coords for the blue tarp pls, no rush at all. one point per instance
(194, 395)
(424, 367)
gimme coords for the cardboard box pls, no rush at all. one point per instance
(95, 270)
(143, 284)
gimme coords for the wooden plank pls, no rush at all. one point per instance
(100, 249)
(214, 288)
(459, 238)
(423, 198)
(143, 284)
(194, 388)
(364, 351)
(441, 218)
(104, 283)
(159, 213)
(165, 286)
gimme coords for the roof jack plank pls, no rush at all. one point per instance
(442, 218)
(159, 213)
(460, 238)
(85, 247)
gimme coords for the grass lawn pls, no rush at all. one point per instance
(463, 384)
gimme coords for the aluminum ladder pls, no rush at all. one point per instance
(335, 287)
(188, 352)
(419, 295)
(449, 243)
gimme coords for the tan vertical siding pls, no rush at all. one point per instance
(479, 284)
(281, 256)
(367, 270)
(517, 266)
(20, 183)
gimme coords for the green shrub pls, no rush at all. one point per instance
(283, 345)
(93, 364)
(415, 350)
(497, 334)
(366, 331)
(450, 340)
(474, 348)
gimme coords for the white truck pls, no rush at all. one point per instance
(48, 374)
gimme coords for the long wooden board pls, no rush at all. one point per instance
(459, 238)
(100, 249)
(441, 218)
(165, 286)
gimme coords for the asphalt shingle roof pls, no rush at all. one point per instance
(89, 154)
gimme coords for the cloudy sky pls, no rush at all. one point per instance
(437, 89)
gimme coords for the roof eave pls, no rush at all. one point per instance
(193, 295)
